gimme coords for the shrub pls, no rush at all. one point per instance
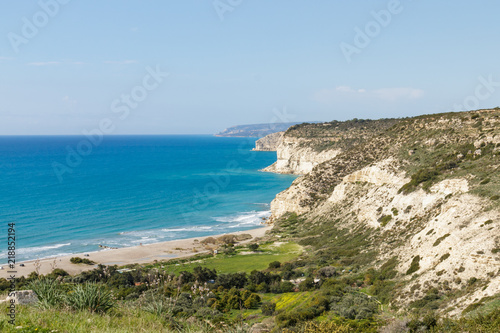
(326, 272)
(268, 308)
(227, 239)
(471, 281)
(286, 286)
(253, 247)
(156, 304)
(354, 306)
(49, 293)
(274, 265)
(91, 297)
(208, 240)
(58, 272)
(78, 260)
(252, 301)
(421, 176)
(229, 250)
(414, 266)
(495, 197)
(203, 274)
(307, 284)
(227, 281)
(440, 239)
(444, 257)
(384, 220)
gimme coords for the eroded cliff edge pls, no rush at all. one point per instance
(422, 192)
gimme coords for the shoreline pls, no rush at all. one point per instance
(139, 254)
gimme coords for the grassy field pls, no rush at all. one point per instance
(121, 319)
(244, 260)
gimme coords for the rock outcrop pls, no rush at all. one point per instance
(22, 297)
(296, 157)
(269, 142)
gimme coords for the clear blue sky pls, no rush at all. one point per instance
(242, 62)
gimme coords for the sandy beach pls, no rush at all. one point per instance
(127, 255)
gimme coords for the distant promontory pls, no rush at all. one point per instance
(255, 130)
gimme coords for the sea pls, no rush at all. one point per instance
(70, 194)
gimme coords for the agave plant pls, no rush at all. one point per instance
(49, 292)
(91, 297)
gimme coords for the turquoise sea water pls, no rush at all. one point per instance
(68, 195)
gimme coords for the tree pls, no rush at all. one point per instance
(274, 265)
(268, 308)
(253, 247)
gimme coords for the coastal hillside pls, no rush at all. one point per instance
(306, 145)
(254, 130)
(420, 194)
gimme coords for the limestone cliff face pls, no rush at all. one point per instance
(295, 156)
(451, 230)
(269, 142)
(427, 187)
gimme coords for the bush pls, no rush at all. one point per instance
(49, 293)
(227, 239)
(307, 284)
(209, 240)
(327, 272)
(354, 306)
(384, 220)
(59, 272)
(203, 274)
(414, 266)
(274, 265)
(440, 239)
(444, 257)
(90, 297)
(268, 308)
(426, 176)
(253, 247)
(158, 305)
(78, 260)
(252, 301)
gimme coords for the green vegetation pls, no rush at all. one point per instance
(77, 260)
(414, 266)
(440, 239)
(90, 297)
(247, 262)
(384, 220)
(444, 257)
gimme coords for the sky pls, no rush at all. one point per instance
(197, 67)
